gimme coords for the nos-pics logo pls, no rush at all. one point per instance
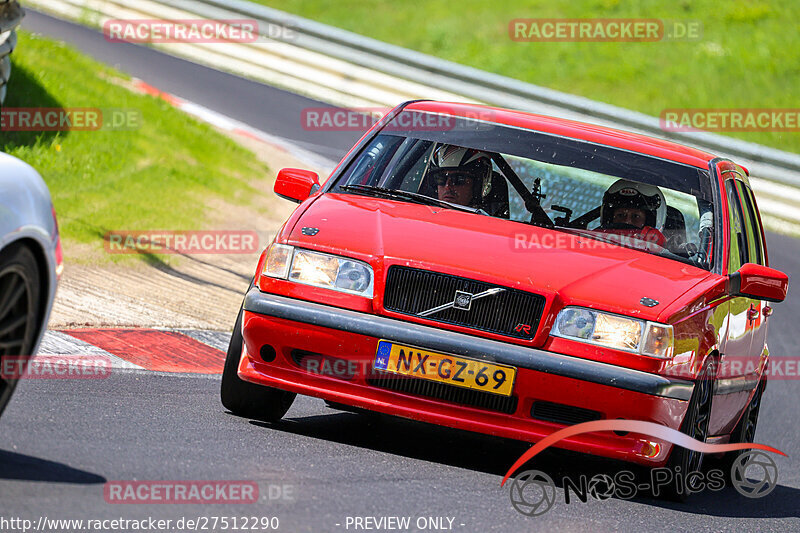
(753, 474)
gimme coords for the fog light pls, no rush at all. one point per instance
(650, 449)
(267, 353)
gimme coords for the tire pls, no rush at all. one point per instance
(20, 304)
(745, 430)
(695, 424)
(248, 399)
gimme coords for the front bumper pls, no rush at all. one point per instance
(291, 326)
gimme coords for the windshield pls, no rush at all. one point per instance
(611, 195)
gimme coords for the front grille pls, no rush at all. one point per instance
(563, 414)
(442, 391)
(511, 312)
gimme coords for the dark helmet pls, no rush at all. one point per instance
(476, 163)
(625, 193)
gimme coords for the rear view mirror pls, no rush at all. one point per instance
(760, 282)
(296, 184)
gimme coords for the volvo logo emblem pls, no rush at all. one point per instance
(462, 301)
(648, 302)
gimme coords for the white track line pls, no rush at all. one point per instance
(778, 209)
(230, 124)
(280, 64)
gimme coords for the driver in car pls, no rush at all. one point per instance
(634, 210)
(462, 175)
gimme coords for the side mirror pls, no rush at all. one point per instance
(296, 184)
(760, 282)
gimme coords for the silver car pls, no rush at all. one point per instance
(30, 265)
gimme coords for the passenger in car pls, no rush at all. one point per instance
(635, 210)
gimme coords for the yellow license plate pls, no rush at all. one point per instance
(444, 368)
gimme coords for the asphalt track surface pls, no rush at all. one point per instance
(62, 440)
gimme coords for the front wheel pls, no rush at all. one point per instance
(745, 430)
(684, 461)
(20, 289)
(248, 399)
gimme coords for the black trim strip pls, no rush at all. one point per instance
(288, 198)
(719, 223)
(737, 384)
(466, 345)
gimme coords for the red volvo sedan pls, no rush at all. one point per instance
(512, 274)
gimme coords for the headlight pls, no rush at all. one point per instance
(319, 269)
(614, 331)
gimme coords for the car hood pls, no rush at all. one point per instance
(560, 265)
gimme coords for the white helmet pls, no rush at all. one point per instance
(626, 193)
(474, 162)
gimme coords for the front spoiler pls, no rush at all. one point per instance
(466, 345)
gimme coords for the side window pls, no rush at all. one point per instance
(371, 163)
(752, 228)
(738, 252)
(412, 165)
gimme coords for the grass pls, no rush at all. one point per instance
(748, 55)
(154, 176)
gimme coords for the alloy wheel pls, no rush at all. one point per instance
(16, 318)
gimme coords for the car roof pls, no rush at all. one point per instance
(571, 128)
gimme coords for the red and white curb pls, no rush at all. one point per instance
(173, 352)
(141, 350)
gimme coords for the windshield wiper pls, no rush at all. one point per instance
(395, 194)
